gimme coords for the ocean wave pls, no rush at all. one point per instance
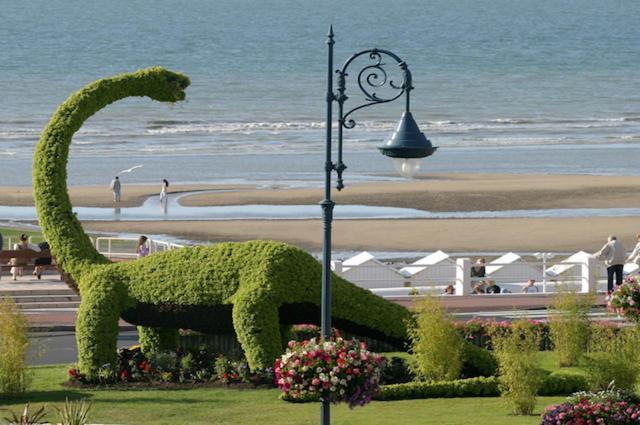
(161, 127)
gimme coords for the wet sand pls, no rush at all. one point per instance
(457, 192)
(444, 192)
(481, 235)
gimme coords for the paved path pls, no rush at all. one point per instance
(60, 347)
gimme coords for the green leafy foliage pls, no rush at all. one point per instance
(613, 357)
(437, 347)
(74, 412)
(477, 361)
(516, 351)
(249, 289)
(26, 417)
(553, 384)
(14, 376)
(569, 324)
(157, 339)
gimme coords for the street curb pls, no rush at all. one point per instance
(68, 328)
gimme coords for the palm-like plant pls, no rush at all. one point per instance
(74, 412)
(26, 418)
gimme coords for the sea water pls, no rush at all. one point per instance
(539, 86)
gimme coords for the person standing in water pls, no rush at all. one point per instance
(115, 187)
(165, 190)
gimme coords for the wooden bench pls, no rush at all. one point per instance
(27, 256)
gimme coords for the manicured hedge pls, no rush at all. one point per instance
(249, 289)
(554, 384)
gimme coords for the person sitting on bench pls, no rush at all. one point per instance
(41, 262)
(18, 263)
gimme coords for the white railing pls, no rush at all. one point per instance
(398, 280)
(125, 248)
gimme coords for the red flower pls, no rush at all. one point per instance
(124, 375)
(225, 376)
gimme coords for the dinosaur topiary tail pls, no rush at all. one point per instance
(69, 243)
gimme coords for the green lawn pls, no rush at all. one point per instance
(237, 407)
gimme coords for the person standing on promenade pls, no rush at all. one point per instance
(614, 255)
(142, 249)
(115, 187)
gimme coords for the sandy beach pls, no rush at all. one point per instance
(457, 192)
(483, 235)
(444, 192)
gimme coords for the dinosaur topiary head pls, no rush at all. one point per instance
(169, 86)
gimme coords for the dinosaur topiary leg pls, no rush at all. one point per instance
(157, 339)
(103, 297)
(255, 319)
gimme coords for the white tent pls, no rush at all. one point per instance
(367, 272)
(510, 268)
(569, 267)
(436, 268)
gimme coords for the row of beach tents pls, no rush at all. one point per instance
(439, 269)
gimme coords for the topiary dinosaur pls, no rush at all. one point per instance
(249, 289)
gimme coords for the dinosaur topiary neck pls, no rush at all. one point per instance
(68, 241)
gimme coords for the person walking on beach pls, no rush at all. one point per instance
(614, 255)
(164, 190)
(115, 187)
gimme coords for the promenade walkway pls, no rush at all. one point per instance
(49, 304)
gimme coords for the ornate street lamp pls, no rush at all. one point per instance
(406, 146)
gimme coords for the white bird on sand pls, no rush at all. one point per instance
(129, 169)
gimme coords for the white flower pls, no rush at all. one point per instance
(342, 392)
(334, 380)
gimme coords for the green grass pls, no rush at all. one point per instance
(217, 406)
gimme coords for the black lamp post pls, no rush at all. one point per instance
(405, 146)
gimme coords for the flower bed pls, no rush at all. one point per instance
(182, 366)
(337, 370)
(625, 300)
(609, 407)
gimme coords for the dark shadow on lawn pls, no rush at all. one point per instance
(48, 396)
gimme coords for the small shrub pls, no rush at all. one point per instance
(613, 357)
(436, 345)
(569, 325)
(478, 361)
(26, 418)
(338, 371)
(625, 300)
(74, 412)
(396, 371)
(13, 349)
(609, 407)
(520, 377)
(554, 384)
